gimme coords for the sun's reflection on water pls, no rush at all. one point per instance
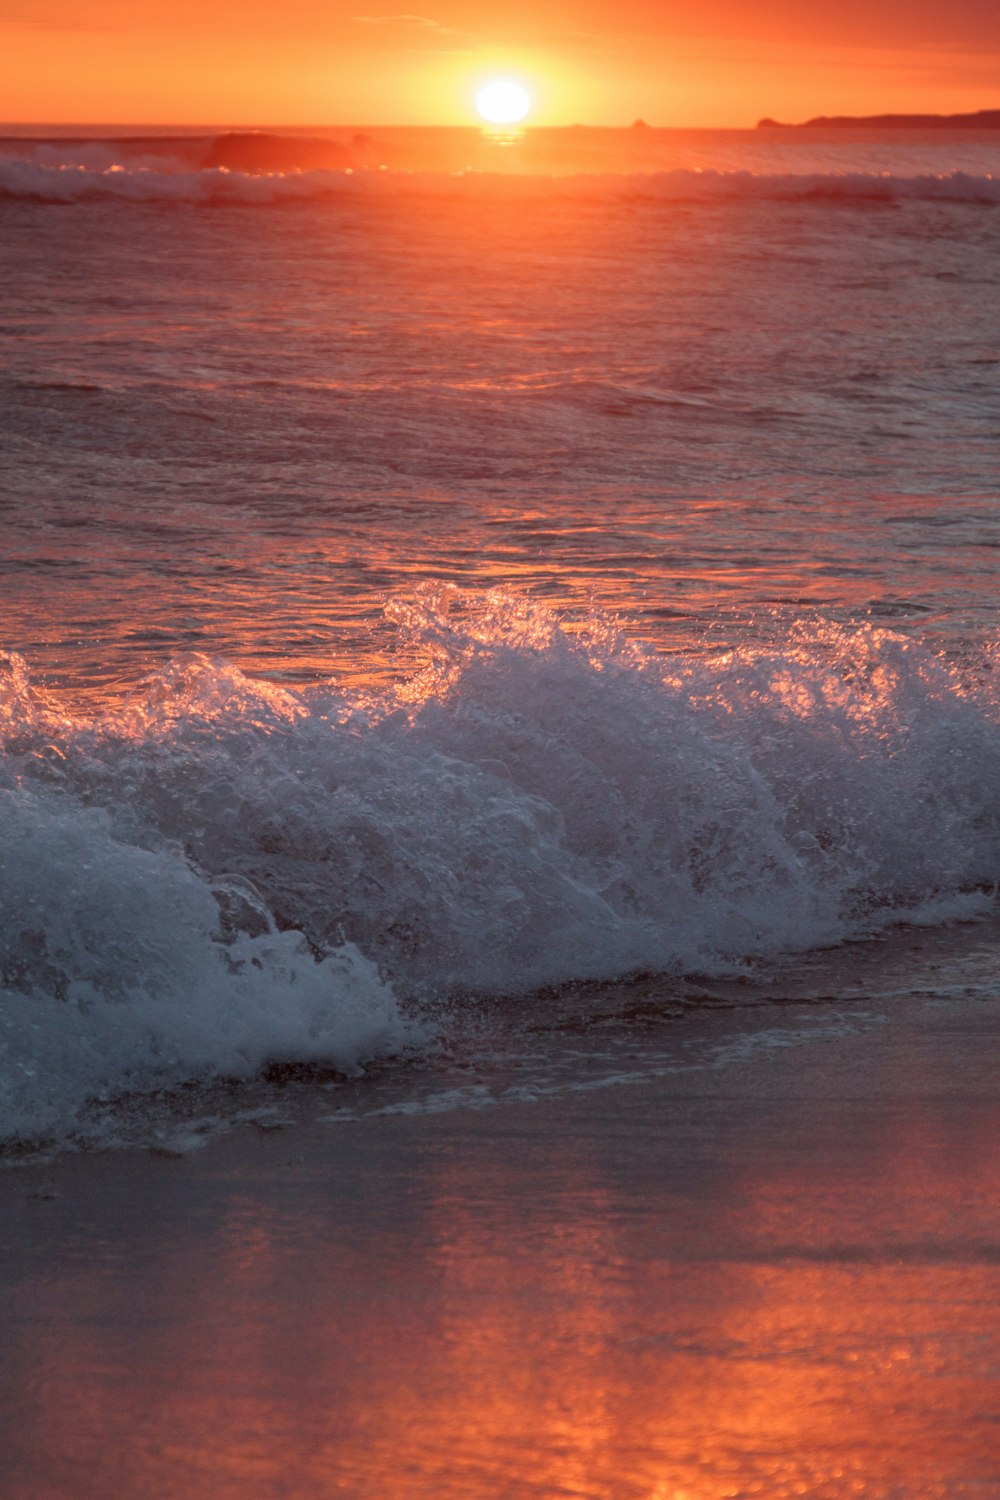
(503, 135)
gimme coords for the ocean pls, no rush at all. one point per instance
(499, 770)
(448, 589)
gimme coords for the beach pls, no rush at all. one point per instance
(775, 1274)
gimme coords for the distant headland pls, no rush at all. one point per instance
(983, 119)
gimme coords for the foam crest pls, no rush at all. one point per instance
(78, 181)
(125, 971)
(226, 872)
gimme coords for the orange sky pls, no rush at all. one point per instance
(673, 62)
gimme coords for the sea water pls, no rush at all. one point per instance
(509, 564)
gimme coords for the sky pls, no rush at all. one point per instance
(591, 62)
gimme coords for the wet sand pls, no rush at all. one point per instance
(778, 1279)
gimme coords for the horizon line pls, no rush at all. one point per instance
(194, 127)
(341, 125)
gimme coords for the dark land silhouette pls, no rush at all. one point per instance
(983, 119)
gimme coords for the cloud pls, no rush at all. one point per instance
(410, 33)
(423, 22)
(29, 17)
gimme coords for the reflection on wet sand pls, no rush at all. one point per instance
(776, 1290)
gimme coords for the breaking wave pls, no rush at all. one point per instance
(79, 182)
(224, 873)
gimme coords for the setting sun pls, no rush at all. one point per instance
(503, 102)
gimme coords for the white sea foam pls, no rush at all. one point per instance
(119, 975)
(85, 178)
(226, 873)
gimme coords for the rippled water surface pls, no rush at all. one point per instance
(237, 428)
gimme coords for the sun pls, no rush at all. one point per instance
(503, 102)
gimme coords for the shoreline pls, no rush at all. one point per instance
(777, 1273)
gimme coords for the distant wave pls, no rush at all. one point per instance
(227, 873)
(77, 183)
